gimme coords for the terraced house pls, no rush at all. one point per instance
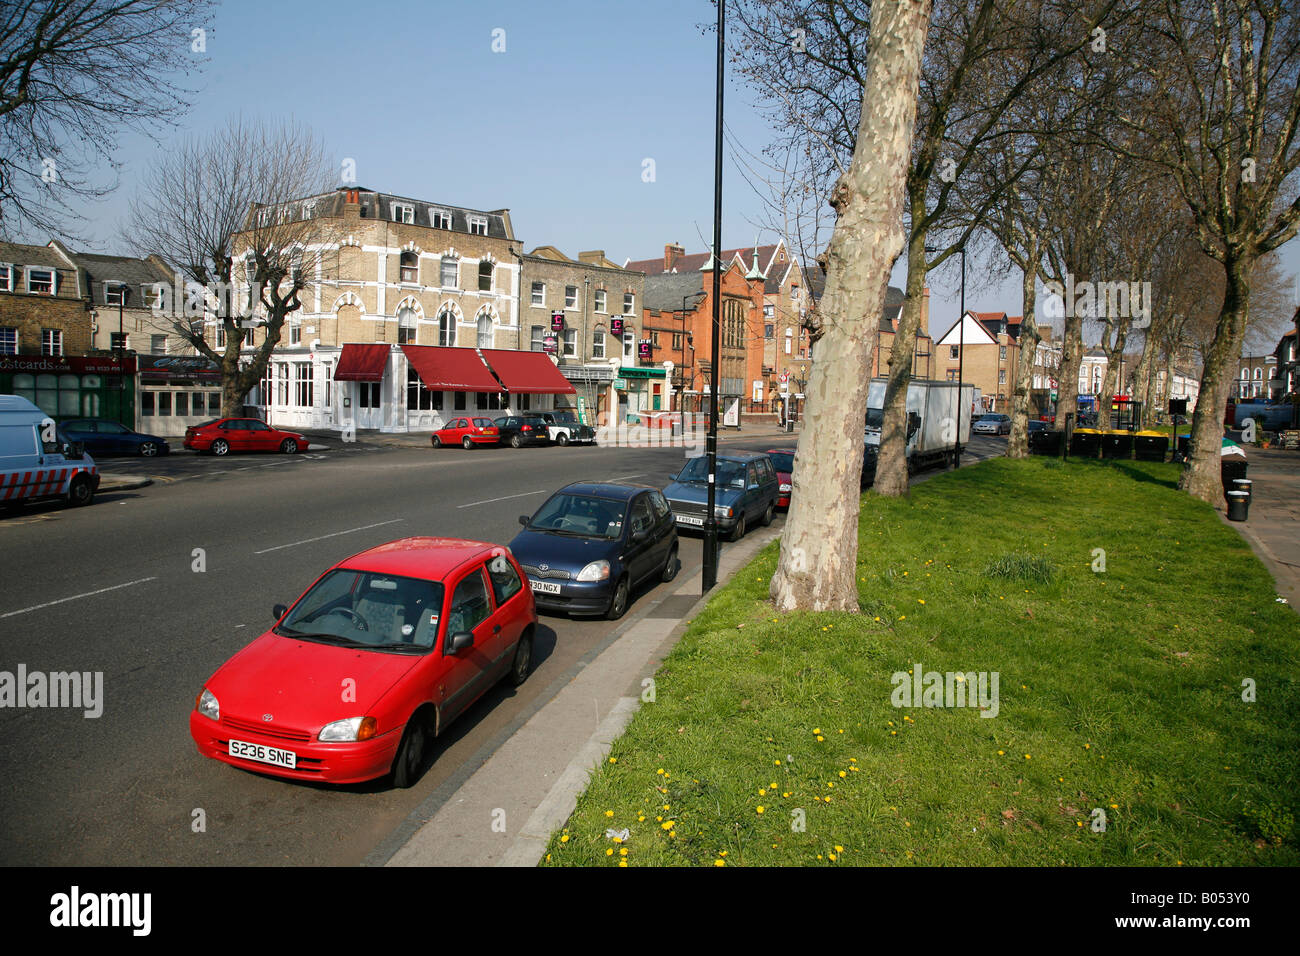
(405, 294)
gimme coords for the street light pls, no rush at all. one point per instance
(710, 573)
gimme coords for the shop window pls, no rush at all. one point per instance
(459, 403)
(214, 403)
(164, 403)
(419, 398)
(183, 403)
(368, 396)
(147, 403)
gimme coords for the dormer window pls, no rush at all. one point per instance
(6, 277)
(440, 218)
(478, 225)
(403, 213)
(40, 281)
(114, 293)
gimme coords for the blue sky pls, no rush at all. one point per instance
(556, 128)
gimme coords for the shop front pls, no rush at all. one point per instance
(640, 390)
(177, 391)
(65, 386)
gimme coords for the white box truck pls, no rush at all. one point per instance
(37, 461)
(938, 419)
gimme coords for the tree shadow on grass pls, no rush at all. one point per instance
(1137, 474)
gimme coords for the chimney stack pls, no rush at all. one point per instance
(672, 252)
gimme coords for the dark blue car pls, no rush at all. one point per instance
(592, 543)
(102, 436)
(747, 491)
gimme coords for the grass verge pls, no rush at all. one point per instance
(773, 739)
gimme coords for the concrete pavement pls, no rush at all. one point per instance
(1273, 526)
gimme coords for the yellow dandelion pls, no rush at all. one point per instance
(1001, 752)
(760, 809)
(609, 813)
(565, 838)
(719, 862)
(613, 760)
(609, 852)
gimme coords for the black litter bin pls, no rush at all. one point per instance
(1117, 444)
(1232, 466)
(1085, 443)
(1238, 505)
(1045, 442)
(1150, 446)
(1241, 484)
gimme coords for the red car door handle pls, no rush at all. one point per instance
(496, 629)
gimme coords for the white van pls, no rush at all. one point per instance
(37, 461)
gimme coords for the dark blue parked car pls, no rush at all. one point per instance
(747, 491)
(591, 544)
(101, 436)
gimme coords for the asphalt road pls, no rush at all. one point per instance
(115, 588)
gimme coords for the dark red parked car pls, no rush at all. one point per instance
(224, 435)
(466, 432)
(376, 659)
(783, 461)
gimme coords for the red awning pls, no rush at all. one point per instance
(527, 372)
(362, 363)
(449, 369)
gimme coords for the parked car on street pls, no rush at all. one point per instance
(747, 490)
(520, 430)
(102, 436)
(992, 423)
(466, 432)
(416, 630)
(783, 462)
(221, 436)
(564, 428)
(37, 461)
(588, 547)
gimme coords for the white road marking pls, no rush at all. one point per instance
(335, 534)
(506, 498)
(37, 607)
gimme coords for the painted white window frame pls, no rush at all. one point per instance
(52, 342)
(629, 303)
(569, 343)
(601, 304)
(598, 345)
(403, 213)
(538, 291)
(571, 301)
(440, 218)
(476, 223)
(7, 270)
(5, 331)
(52, 273)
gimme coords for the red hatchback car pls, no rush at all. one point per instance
(466, 432)
(376, 659)
(224, 435)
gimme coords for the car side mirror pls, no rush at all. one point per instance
(279, 611)
(461, 640)
(639, 536)
(523, 519)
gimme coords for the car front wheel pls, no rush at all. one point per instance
(435, 441)
(562, 438)
(515, 442)
(466, 443)
(738, 531)
(410, 753)
(220, 447)
(618, 603)
(81, 491)
(289, 446)
(672, 566)
(148, 449)
(523, 659)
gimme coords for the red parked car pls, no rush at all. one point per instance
(224, 435)
(376, 659)
(466, 432)
(783, 461)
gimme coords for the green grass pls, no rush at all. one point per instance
(1119, 690)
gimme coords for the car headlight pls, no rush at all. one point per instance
(785, 487)
(351, 729)
(596, 571)
(207, 705)
(720, 511)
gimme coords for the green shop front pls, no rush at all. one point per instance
(66, 386)
(639, 390)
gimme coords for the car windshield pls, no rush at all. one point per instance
(365, 609)
(784, 461)
(584, 516)
(730, 473)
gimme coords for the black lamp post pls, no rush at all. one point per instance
(710, 573)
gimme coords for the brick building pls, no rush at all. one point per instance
(984, 346)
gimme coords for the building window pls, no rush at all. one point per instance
(570, 296)
(539, 293)
(654, 339)
(407, 331)
(40, 281)
(410, 267)
(535, 343)
(769, 312)
(295, 333)
(677, 341)
(114, 293)
(447, 327)
(952, 375)
(485, 330)
(303, 385)
(282, 383)
(600, 300)
(1258, 373)
(458, 401)
(629, 302)
(6, 277)
(954, 352)
(1002, 376)
(629, 347)
(440, 218)
(158, 344)
(368, 395)
(1002, 353)
(449, 273)
(598, 345)
(403, 213)
(485, 276)
(51, 341)
(478, 225)
(769, 330)
(419, 398)
(789, 341)
(569, 340)
(8, 340)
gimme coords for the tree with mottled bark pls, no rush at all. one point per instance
(236, 214)
(817, 568)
